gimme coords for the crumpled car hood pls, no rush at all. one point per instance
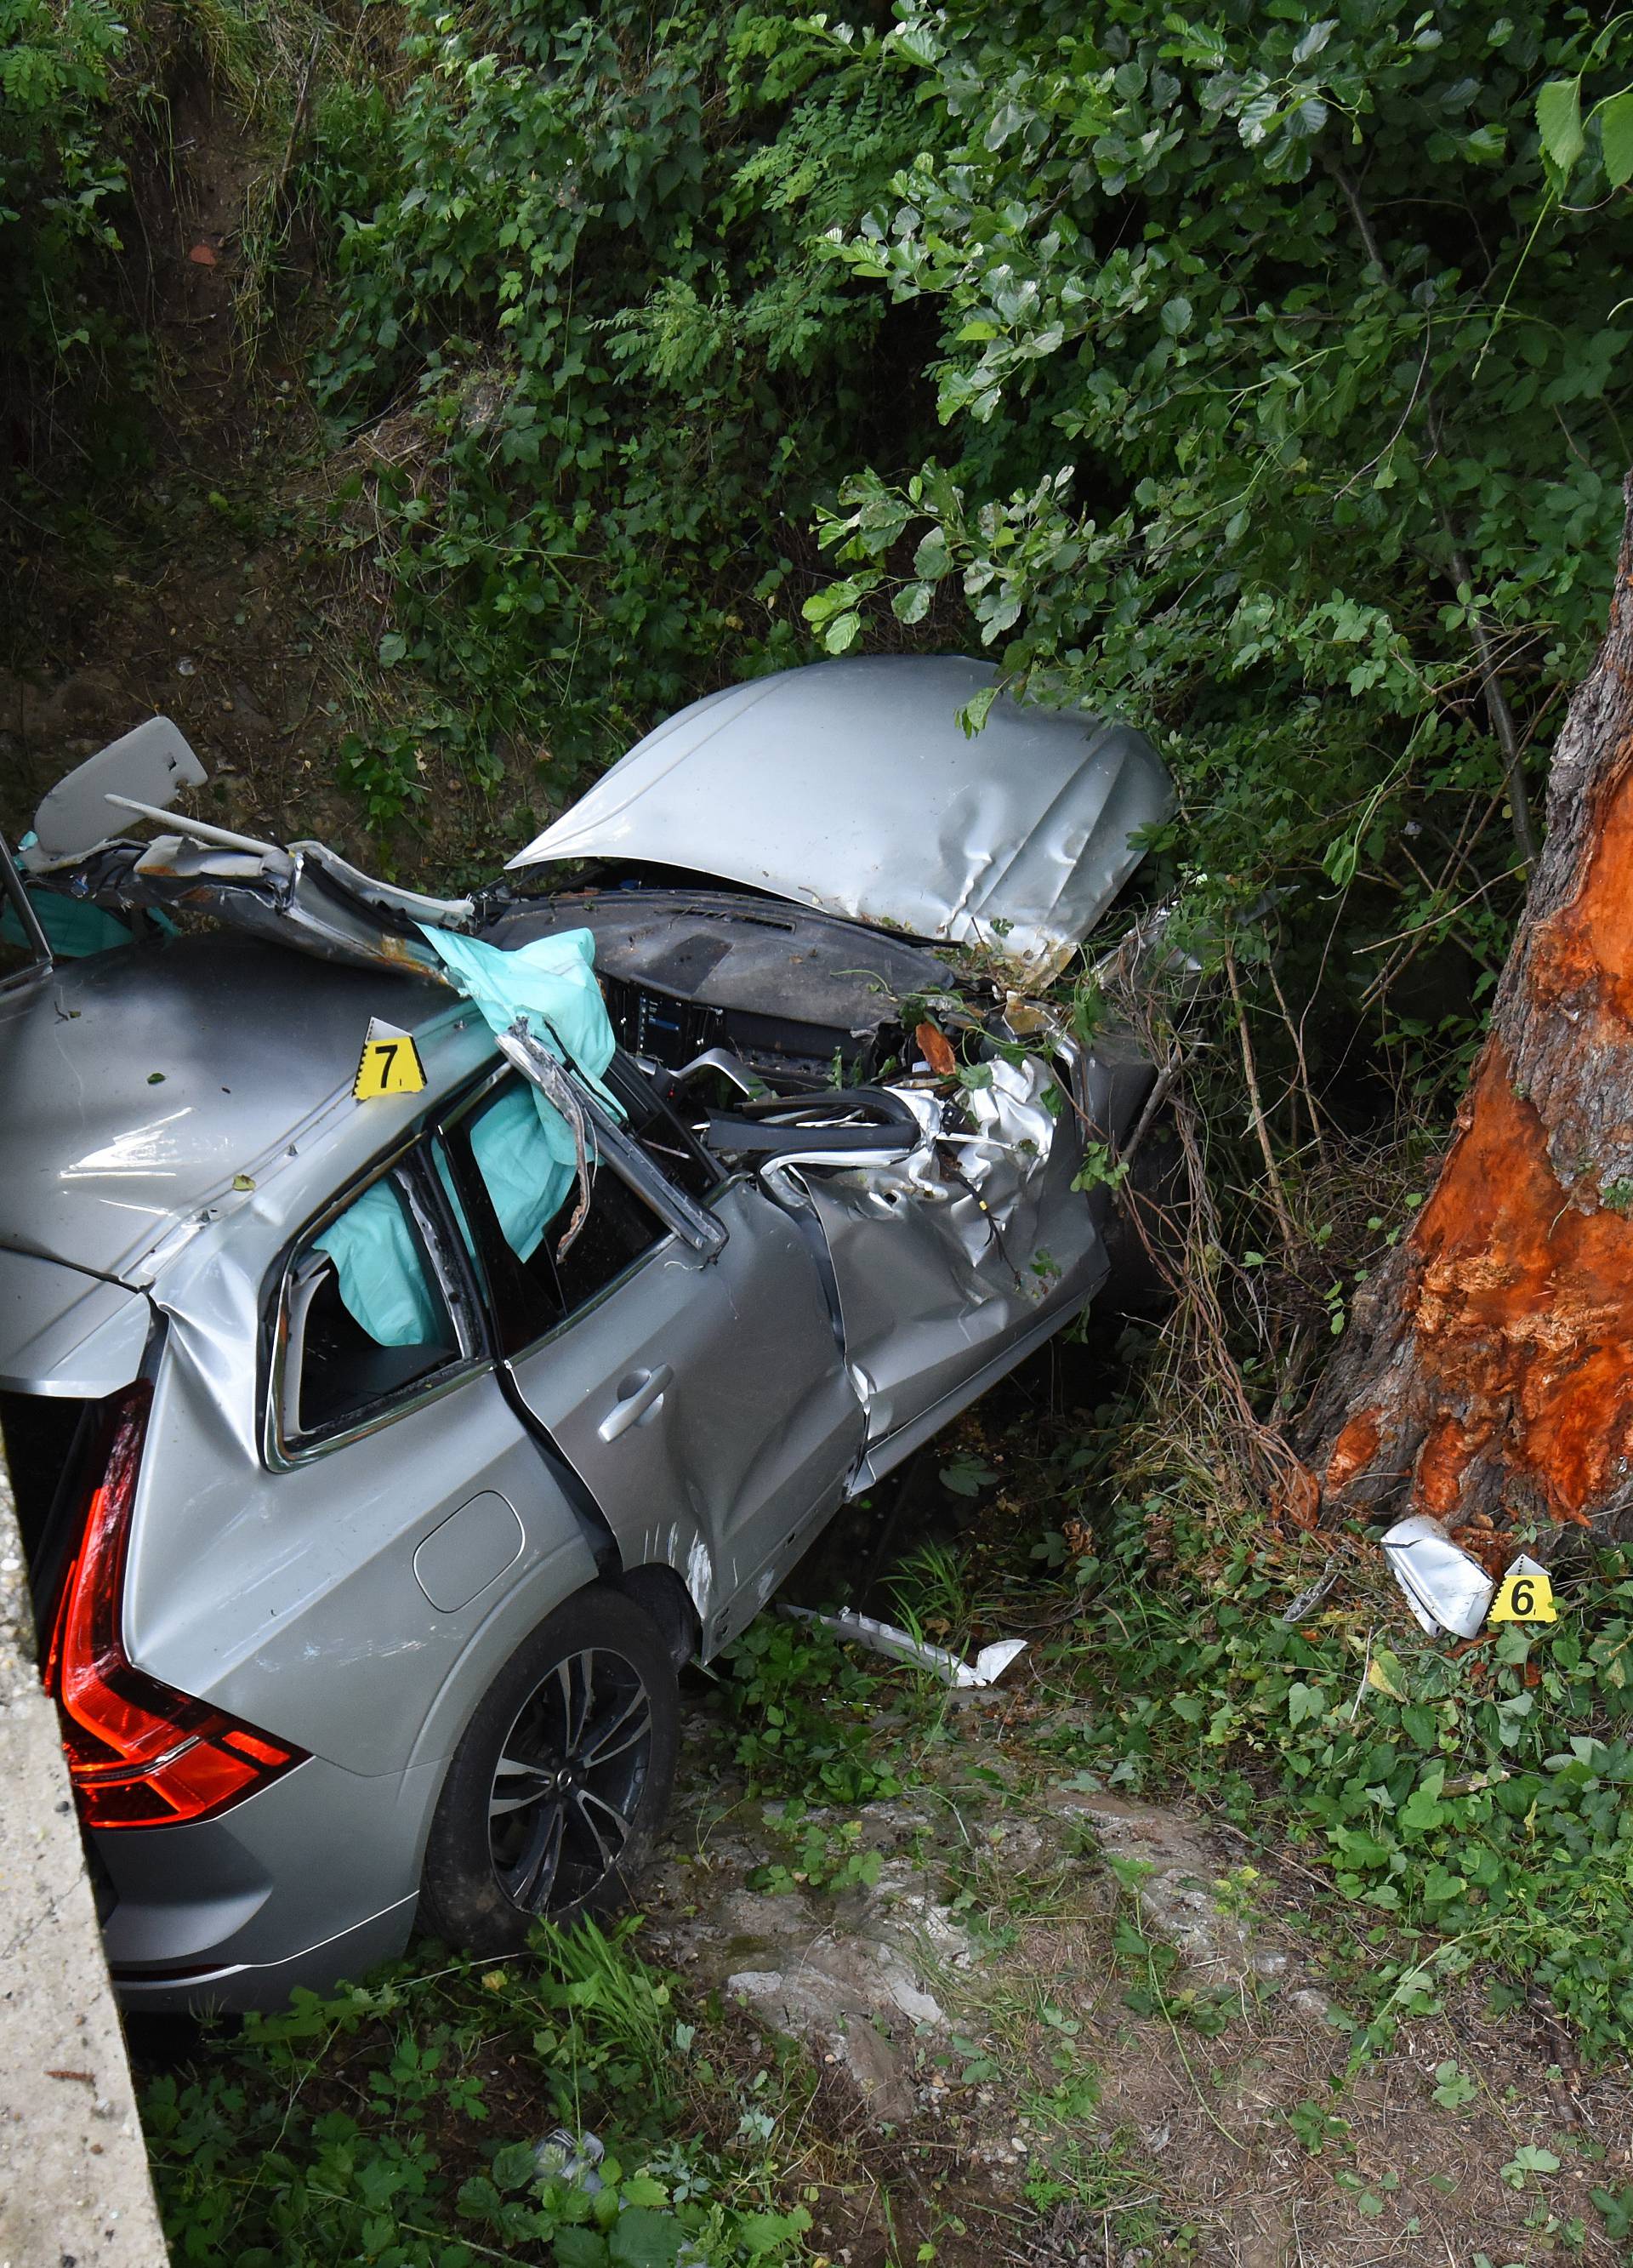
(851, 785)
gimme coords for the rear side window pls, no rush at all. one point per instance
(365, 1317)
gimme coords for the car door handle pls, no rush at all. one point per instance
(638, 1393)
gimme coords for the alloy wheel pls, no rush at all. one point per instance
(569, 1778)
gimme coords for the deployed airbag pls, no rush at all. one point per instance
(382, 1278)
(526, 1151)
(549, 983)
(525, 1178)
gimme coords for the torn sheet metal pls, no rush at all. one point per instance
(853, 786)
(302, 896)
(883, 1638)
(939, 1255)
(1446, 1589)
(305, 894)
(1306, 1601)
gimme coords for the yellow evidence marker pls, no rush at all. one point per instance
(1524, 1595)
(389, 1065)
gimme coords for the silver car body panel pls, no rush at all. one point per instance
(154, 762)
(188, 1122)
(747, 1424)
(198, 1091)
(63, 1332)
(852, 785)
(942, 1257)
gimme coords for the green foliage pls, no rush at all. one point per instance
(1279, 384)
(578, 246)
(1206, 2009)
(808, 1716)
(824, 1855)
(363, 2127)
(1476, 1805)
(62, 176)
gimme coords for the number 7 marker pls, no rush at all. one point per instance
(389, 1065)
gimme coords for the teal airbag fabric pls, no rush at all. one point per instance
(525, 1176)
(74, 928)
(550, 982)
(523, 1148)
(382, 1280)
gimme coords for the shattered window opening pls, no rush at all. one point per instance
(529, 1204)
(366, 1317)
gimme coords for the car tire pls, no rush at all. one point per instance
(560, 1781)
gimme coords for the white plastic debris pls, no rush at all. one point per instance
(1446, 1589)
(564, 2157)
(883, 1638)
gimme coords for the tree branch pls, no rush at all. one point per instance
(1497, 709)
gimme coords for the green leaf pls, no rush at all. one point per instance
(393, 647)
(1615, 2207)
(911, 602)
(1528, 2159)
(581, 2248)
(1358, 1848)
(760, 2233)
(1384, 1672)
(1559, 122)
(842, 632)
(973, 715)
(642, 2239)
(513, 2165)
(833, 599)
(1615, 127)
(1453, 2087)
(932, 560)
(1422, 1809)
(1305, 1702)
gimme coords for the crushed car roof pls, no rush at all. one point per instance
(852, 785)
(141, 1085)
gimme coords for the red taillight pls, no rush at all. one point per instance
(139, 1753)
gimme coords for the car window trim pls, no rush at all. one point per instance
(692, 1222)
(477, 1351)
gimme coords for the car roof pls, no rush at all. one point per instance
(144, 1085)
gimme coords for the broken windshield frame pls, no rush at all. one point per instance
(14, 902)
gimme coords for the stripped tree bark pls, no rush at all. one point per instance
(1488, 1371)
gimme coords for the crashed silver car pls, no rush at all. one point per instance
(425, 1325)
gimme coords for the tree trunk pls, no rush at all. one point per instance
(1488, 1372)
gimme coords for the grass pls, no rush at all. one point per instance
(398, 2123)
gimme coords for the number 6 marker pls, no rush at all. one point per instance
(1524, 1595)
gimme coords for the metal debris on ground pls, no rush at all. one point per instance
(564, 2157)
(883, 1638)
(1445, 1586)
